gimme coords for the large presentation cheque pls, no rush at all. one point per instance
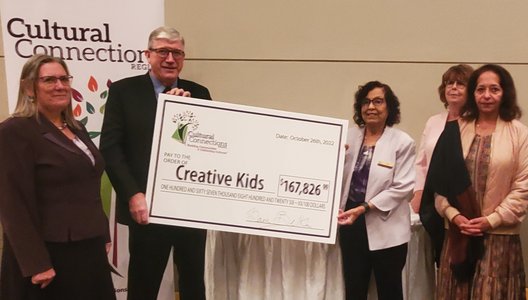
(244, 169)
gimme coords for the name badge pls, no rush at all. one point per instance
(385, 164)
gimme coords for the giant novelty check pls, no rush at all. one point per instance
(244, 169)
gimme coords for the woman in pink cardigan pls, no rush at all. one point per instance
(494, 147)
(453, 93)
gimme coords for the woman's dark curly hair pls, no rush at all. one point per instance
(508, 109)
(393, 104)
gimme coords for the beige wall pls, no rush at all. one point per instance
(310, 58)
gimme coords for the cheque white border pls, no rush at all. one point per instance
(236, 168)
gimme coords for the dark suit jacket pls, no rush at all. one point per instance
(126, 137)
(49, 190)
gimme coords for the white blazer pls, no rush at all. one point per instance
(389, 188)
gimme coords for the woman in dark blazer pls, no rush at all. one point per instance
(55, 230)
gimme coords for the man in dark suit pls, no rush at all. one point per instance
(126, 141)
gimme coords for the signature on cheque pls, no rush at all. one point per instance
(281, 218)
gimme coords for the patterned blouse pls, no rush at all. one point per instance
(477, 162)
(358, 185)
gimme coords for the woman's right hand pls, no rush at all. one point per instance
(460, 221)
(349, 217)
(44, 278)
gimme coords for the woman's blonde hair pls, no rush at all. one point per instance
(26, 105)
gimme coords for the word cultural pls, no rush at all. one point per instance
(52, 38)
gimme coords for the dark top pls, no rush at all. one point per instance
(50, 190)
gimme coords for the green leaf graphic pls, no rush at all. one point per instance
(84, 120)
(176, 136)
(90, 108)
(94, 134)
(102, 108)
(104, 94)
(106, 193)
(183, 131)
(180, 133)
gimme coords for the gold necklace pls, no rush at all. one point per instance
(63, 126)
(484, 129)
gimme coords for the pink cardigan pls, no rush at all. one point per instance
(506, 197)
(433, 128)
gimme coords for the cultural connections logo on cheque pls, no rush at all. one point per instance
(186, 133)
(185, 122)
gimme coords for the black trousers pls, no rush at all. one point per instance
(82, 273)
(359, 262)
(150, 246)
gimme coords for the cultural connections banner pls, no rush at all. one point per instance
(101, 42)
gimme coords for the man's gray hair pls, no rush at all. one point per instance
(165, 32)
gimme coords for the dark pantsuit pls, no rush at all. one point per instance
(51, 212)
(359, 262)
(81, 269)
(150, 246)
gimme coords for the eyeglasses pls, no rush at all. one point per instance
(164, 52)
(494, 90)
(65, 80)
(375, 102)
(452, 83)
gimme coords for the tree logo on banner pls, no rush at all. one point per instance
(89, 107)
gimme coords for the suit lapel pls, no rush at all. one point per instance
(52, 134)
(383, 154)
(91, 146)
(54, 139)
(356, 148)
(355, 141)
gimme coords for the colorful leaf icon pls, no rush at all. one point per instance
(84, 120)
(77, 111)
(108, 83)
(102, 108)
(180, 133)
(92, 84)
(76, 95)
(90, 108)
(94, 134)
(104, 94)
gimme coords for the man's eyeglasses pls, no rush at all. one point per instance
(375, 102)
(164, 52)
(65, 80)
(459, 84)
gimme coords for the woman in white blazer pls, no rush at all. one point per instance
(378, 182)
